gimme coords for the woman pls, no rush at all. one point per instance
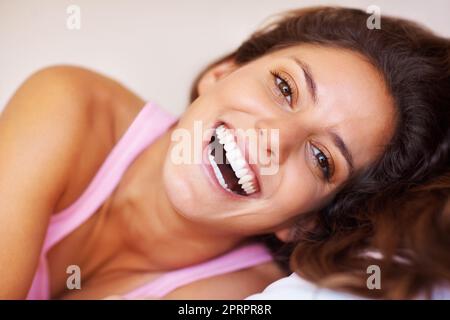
(355, 110)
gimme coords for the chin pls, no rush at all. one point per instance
(181, 187)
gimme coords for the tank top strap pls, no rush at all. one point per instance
(243, 257)
(150, 123)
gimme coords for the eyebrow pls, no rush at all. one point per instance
(340, 144)
(311, 84)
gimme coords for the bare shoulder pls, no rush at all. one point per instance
(86, 88)
(87, 99)
(48, 118)
(80, 87)
(48, 128)
(234, 285)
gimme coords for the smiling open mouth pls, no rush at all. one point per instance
(230, 167)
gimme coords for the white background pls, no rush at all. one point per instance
(154, 47)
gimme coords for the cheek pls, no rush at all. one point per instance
(242, 92)
(299, 190)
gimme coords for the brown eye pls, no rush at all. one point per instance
(285, 87)
(322, 162)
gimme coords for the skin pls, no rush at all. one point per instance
(158, 204)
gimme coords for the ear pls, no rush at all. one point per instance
(284, 234)
(214, 74)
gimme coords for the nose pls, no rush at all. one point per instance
(280, 137)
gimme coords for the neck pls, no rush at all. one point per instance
(150, 227)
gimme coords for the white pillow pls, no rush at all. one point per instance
(297, 288)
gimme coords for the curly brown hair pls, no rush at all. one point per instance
(396, 206)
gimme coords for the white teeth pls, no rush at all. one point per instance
(247, 185)
(233, 154)
(235, 159)
(250, 191)
(245, 179)
(230, 146)
(221, 134)
(220, 129)
(226, 139)
(237, 164)
(240, 173)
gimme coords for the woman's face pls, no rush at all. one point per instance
(316, 114)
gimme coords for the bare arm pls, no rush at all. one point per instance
(41, 132)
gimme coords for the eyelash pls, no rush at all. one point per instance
(328, 170)
(283, 79)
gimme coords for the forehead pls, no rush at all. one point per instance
(352, 97)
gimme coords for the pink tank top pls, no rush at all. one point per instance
(150, 123)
